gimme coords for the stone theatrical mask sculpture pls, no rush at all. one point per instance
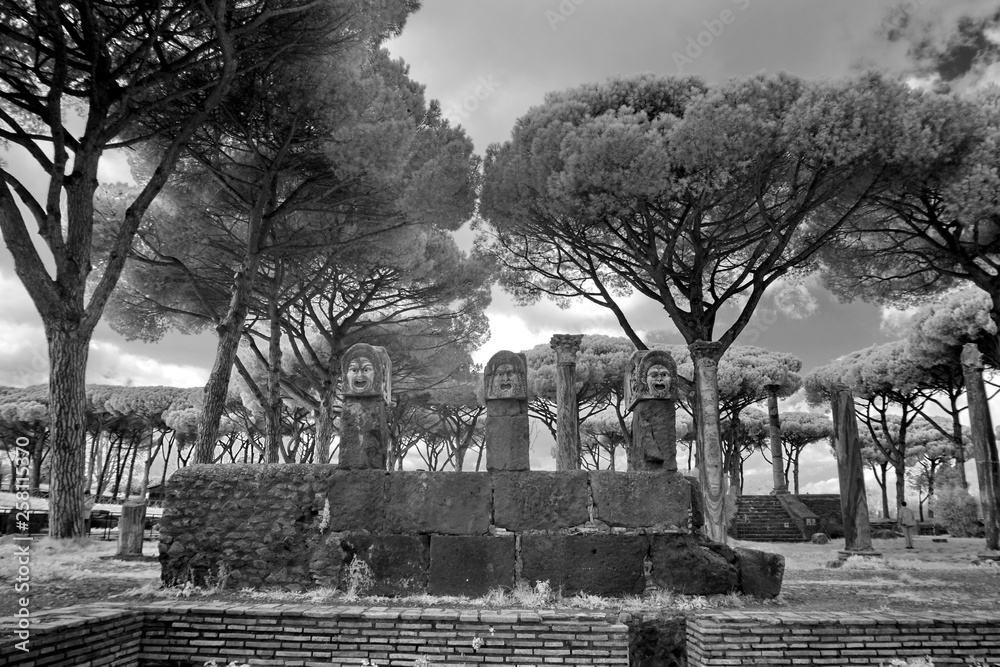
(506, 376)
(651, 375)
(367, 371)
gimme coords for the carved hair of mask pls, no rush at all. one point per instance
(505, 376)
(652, 375)
(367, 371)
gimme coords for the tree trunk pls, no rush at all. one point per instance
(68, 352)
(567, 405)
(774, 433)
(131, 467)
(272, 412)
(326, 413)
(712, 473)
(956, 434)
(850, 470)
(984, 441)
(795, 471)
(95, 444)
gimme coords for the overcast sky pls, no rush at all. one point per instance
(488, 62)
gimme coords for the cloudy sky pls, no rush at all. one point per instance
(489, 61)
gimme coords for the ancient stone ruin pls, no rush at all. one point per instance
(357, 527)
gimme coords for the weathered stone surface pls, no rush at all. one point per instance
(761, 573)
(507, 435)
(608, 565)
(642, 499)
(819, 538)
(357, 500)
(540, 500)
(449, 503)
(398, 563)
(470, 564)
(327, 561)
(682, 564)
(654, 436)
(364, 433)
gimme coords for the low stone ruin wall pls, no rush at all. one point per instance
(852, 638)
(452, 533)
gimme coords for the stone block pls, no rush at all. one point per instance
(357, 500)
(760, 572)
(507, 435)
(396, 564)
(540, 500)
(608, 565)
(470, 564)
(680, 563)
(446, 503)
(659, 500)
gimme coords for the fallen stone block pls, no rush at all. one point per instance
(760, 572)
(393, 564)
(682, 564)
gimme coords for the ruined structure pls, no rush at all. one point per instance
(650, 391)
(364, 434)
(505, 382)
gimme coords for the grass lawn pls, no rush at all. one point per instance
(936, 576)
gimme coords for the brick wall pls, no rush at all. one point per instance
(188, 635)
(95, 636)
(773, 639)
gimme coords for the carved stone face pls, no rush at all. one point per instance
(361, 375)
(505, 381)
(658, 381)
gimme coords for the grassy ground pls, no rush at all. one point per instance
(936, 576)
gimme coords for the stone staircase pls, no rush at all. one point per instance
(763, 519)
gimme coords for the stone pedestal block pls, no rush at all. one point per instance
(540, 500)
(470, 565)
(447, 503)
(398, 563)
(131, 526)
(357, 500)
(682, 565)
(654, 436)
(610, 565)
(642, 499)
(507, 435)
(364, 433)
(760, 573)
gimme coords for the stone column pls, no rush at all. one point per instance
(131, 526)
(505, 381)
(364, 429)
(774, 428)
(567, 408)
(985, 444)
(853, 498)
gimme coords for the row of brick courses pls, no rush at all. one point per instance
(181, 635)
(746, 638)
(98, 636)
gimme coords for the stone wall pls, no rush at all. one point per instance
(447, 533)
(854, 638)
